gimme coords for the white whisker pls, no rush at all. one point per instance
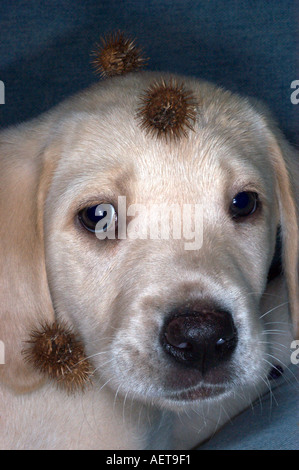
(274, 308)
(284, 365)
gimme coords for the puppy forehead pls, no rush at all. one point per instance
(114, 159)
(105, 146)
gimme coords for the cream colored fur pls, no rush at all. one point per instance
(115, 293)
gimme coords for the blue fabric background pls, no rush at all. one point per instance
(271, 424)
(247, 46)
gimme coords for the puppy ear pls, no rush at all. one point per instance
(24, 294)
(286, 166)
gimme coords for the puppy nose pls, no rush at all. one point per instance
(200, 339)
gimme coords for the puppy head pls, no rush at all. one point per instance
(163, 317)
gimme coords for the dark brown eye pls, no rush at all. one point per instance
(244, 204)
(99, 218)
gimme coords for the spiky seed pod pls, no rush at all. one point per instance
(117, 55)
(56, 352)
(167, 109)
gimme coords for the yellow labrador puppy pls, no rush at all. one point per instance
(181, 327)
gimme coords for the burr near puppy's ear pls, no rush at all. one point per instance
(54, 350)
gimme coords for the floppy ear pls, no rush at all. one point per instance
(24, 294)
(286, 166)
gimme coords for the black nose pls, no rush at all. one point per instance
(200, 339)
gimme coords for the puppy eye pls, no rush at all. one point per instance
(99, 218)
(244, 204)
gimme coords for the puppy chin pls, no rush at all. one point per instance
(176, 401)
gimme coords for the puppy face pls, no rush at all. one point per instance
(161, 322)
